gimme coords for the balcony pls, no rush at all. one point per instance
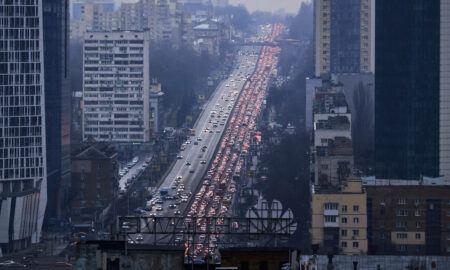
(331, 224)
(330, 212)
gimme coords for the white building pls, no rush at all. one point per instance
(23, 176)
(116, 86)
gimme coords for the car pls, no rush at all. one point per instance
(191, 170)
(203, 162)
(139, 237)
(179, 157)
(177, 212)
(187, 163)
(210, 131)
(172, 206)
(200, 139)
(159, 208)
(179, 177)
(195, 143)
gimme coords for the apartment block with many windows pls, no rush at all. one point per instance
(116, 86)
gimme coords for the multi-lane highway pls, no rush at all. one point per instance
(213, 200)
(201, 184)
(196, 153)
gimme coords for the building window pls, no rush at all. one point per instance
(355, 232)
(355, 244)
(448, 236)
(402, 213)
(418, 225)
(344, 209)
(418, 236)
(401, 200)
(355, 208)
(344, 220)
(330, 218)
(344, 233)
(448, 213)
(381, 235)
(448, 248)
(401, 224)
(382, 202)
(417, 213)
(343, 244)
(356, 220)
(330, 206)
(401, 247)
(448, 201)
(416, 202)
(402, 235)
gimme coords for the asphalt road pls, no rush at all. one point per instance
(207, 134)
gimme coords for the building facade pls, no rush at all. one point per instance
(411, 109)
(332, 149)
(94, 181)
(408, 217)
(339, 219)
(58, 103)
(343, 36)
(23, 170)
(116, 86)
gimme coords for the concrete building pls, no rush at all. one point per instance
(23, 158)
(332, 150)
(93, 16)
(311, 84)
(156, 96)
(94, 181)
(339, 219)
(412, 137)
(333, 162)
(129, 15)
(116, 88)
(77, 7)
(208, 35)
(344, 36)
(408, 217)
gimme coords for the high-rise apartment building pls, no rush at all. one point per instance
(92, 15)
(23, 172)
(412, 89)
(343, 33)
(57, 101)
(116, 86)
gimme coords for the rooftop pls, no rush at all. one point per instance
(92, 150)
(425, 181)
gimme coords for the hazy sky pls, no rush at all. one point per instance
(290, 6)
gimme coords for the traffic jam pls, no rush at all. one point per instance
(215, 196)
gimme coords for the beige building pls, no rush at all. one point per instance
(339, 219)
(116, 86)
(344, 36)
(94, 16)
